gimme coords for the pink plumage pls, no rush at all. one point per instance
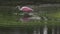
(26, 9)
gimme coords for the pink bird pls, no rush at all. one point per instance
(26, 9)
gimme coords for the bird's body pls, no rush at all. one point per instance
(26, 9)
(28, 12)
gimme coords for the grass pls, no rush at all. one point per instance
(56, 15)
(11, 22)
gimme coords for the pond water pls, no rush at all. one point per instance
(28, 30)
(31, 30)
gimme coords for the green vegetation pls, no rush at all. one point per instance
(8, 19)
(56, 15)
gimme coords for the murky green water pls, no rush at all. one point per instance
(30, 30)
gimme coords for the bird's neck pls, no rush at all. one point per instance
(18, 7)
